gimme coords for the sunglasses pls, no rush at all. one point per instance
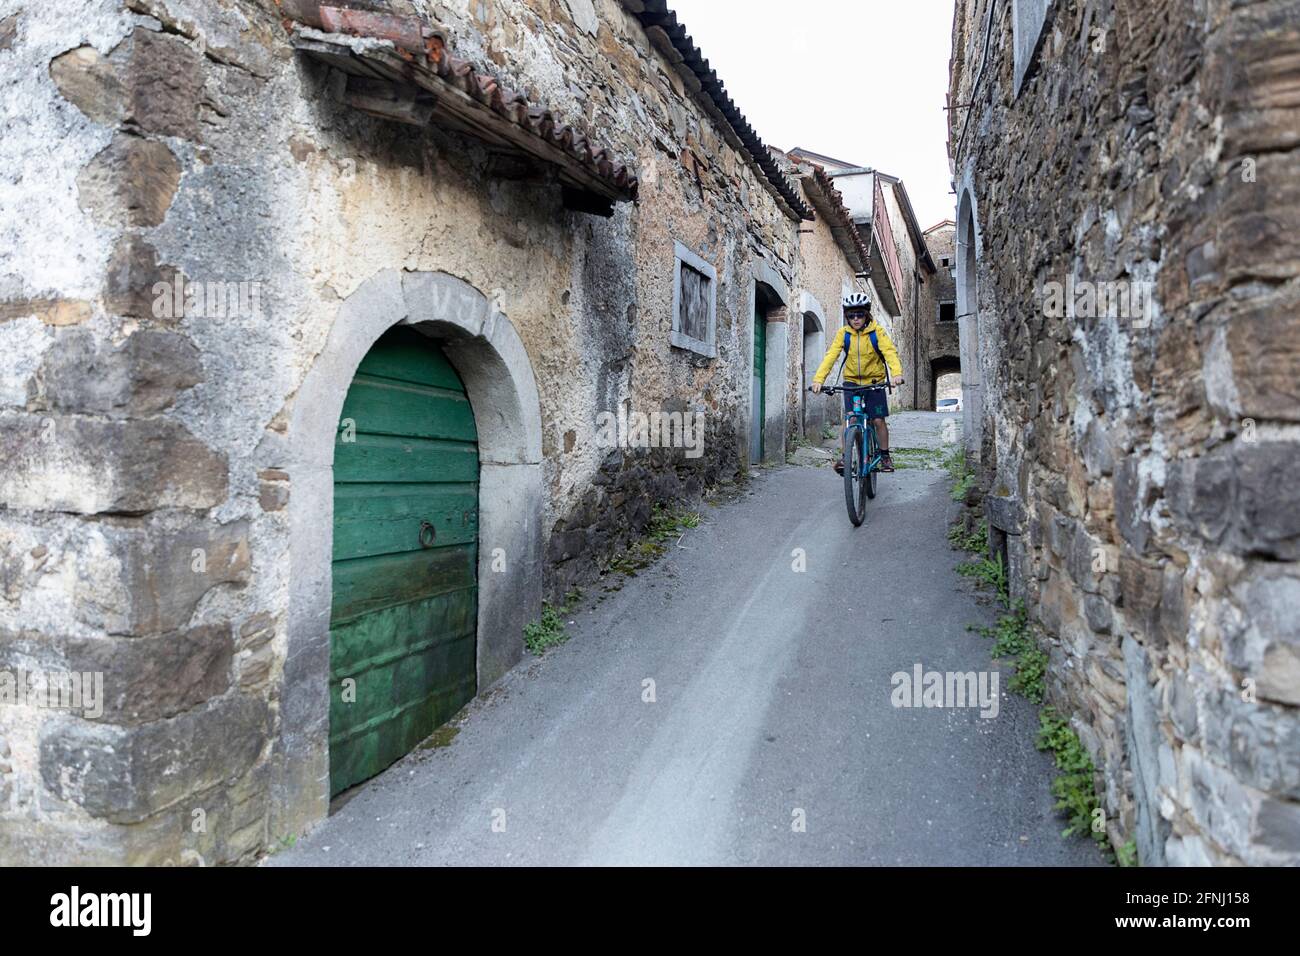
(857, 315)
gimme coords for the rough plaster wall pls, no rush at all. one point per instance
(903, 326)
(235, 166)
(51, 276)
(1164, 449)
(823, 273)
(694, 189)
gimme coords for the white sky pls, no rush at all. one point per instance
(859, 80)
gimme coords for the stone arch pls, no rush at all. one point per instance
(969, 248)
(770, 296)
(766, 274)
(809, 306)
(490, 358)
(940, 366)
(812, 412)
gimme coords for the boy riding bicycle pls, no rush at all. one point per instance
(868, 350)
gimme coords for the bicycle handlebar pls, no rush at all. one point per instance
(835, 389)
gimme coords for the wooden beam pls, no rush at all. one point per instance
(389, 101)
(448, 103)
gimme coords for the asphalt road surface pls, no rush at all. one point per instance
(771, 738)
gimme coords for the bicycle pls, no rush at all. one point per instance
(861, 451)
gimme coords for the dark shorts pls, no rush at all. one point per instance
(874, 399)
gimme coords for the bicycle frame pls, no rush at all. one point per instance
(871, 455)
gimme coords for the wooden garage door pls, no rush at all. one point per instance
(403, 617)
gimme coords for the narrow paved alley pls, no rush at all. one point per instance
(409, 451)
(772, 708)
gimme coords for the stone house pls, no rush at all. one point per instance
(330, 326)
(1128, 235)
(939, 351)
(899, 261)
(833, 261)
(917, 271)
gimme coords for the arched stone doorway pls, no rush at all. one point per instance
(946, 365)
(489, 358)
(770, 376)
(813, 412)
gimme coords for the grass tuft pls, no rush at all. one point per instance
(1073, 789)
(546, 632)
(987, 572)
(975, 541)
(1013, 640)
(665, 524)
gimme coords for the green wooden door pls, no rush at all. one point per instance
(404, 612)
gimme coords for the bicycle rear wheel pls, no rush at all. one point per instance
(855, 492)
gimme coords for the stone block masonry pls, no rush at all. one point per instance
(1143, 463)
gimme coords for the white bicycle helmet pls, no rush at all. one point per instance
(857, 300)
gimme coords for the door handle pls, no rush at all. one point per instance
(428, 534)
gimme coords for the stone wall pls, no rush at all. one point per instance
(1140, 462)
(152, 477)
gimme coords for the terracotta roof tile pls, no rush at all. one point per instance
(656, 13)
(419, 43)
(839, 213)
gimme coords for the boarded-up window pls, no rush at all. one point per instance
(1028, 18)
(694, 302)
(694, 315)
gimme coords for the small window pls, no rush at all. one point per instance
(694, 303)
(947, 311)
(1028, 17)
(943, 260)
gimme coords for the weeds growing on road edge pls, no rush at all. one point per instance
(976, 541)
(665, 524)
(546, 632)
(280, 844)
(963, 479)
(1073, 789)
(1014, 641)
(963, 487)
(987, 573)
(1127, 855)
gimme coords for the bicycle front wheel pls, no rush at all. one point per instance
(873, 450)
(855, 492)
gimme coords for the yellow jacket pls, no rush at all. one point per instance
(863, 366)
